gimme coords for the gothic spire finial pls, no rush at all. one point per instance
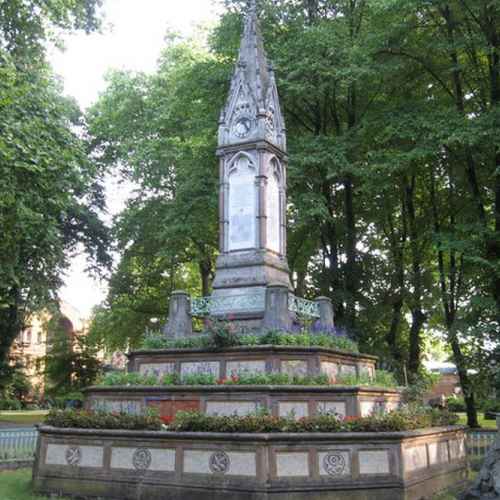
(253, 92)
(252, 55)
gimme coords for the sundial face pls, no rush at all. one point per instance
(242, 127)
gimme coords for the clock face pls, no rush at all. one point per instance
(242, 127)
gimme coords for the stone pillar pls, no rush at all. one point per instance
(277, 316)
(326, 323)
(179, 316)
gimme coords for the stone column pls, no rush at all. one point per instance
(179, 316)
(261, 182)
(223, 192)
(277, 316)
(326, 322)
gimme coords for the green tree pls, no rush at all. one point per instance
(71, 362)
(160, 133)
(49, 192)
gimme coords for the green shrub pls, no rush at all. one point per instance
(103, 420)
(401, 420)
(159, 341)
(382, 378)
(128, 378)
(10, 404)
(199, 379)
(456, 403)
(491, 406)
(136, 379)
(222, 334)
(275, 379)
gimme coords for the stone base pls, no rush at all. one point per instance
(128, 465)
(243, 270)
(280, 401)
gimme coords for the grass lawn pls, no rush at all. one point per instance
(22, 417)
(16, 485)
(486, 424)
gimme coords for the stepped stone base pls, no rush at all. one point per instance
(128, 465)
(296, 401)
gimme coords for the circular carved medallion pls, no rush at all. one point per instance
(73, 455)
(334, 464)
(141, 459)
(219, 462)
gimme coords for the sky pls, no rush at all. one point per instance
(132, 38)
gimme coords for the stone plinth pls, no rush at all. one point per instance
(296, 401)
(253, 359)
(132, 465)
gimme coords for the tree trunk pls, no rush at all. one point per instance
(350, 267)
(10, 327)
(449, 299)
(206, 274)
(418, 316)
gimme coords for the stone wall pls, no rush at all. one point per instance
(138, 465)
(241, 400)
(252, 359)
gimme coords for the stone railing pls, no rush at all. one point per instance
(303, 307)
(230, 304)
(271, 306)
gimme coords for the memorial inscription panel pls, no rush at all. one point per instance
(242, 206)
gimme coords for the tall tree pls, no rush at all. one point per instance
(49, 192)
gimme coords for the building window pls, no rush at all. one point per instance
(27, 336)
(39, 337)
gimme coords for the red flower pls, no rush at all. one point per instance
(350, 418)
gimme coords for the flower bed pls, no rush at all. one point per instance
(340, 342)
(81, 419)
(261, 422)
(380, 379)
(401, 420)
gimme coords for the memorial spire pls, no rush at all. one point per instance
(252, 111)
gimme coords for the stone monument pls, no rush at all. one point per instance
(252, 283)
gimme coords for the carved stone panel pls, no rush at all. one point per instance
(242, 206)
(295, 409)
(332, 407)
(243, 367)
(331, 369)
(156, 369)
(200, 367)
(293, 367)
(169, 408)
(374, 462)
(334, 463)
(142, 459)
(273, 212)
(438, 452)
(415, 458)
(74, 456)
(218, 462)
(292, 464)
